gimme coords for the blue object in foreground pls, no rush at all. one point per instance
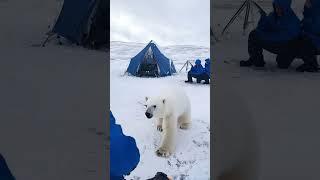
(5, 173)
(124, 154)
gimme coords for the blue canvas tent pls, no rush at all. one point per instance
(83, 22)
(151, 62)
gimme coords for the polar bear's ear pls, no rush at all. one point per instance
(164, 101)
(146, 98)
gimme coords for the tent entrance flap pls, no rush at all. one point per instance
(149, 65)
(151, 62)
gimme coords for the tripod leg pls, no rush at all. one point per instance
(257, 6)
(235, 16)
(246, 19)
(46, 40)
(182, 67)
(252, 13)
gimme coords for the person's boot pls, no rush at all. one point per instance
(312, 69)
(307, 68)
(246, 63)
(189, 79)
(259, 64)
(206, 82)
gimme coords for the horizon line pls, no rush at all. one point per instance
(161, 45)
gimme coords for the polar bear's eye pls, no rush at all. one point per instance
(154, 106)
(145, 105)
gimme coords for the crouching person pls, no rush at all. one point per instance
(309, 46)
(124, 154)
(277, 33)
(205, 75)
(195, 72)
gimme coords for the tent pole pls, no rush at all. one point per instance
(47, 39)
(235, 16)
(183, 66)
(246, 19)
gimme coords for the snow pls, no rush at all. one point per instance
(52, 98)
(191, 159)
(280, 105)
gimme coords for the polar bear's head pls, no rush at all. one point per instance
(154, 107)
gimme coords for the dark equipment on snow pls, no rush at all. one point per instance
(83, 22)
(160, 176)
(247, 5)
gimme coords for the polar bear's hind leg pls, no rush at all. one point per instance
(185, 120)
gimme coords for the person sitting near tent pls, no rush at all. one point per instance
(207, 71)
(276, 33)
(205, 75)
(309, 46)
(124, 154)
(5, 173)
(195, 72)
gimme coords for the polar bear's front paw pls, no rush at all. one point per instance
(161, 152)
(159, 128)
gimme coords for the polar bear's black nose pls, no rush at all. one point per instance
(148, 115)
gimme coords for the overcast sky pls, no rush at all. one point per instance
(167, 22)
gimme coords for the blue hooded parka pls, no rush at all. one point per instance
(311, 22)
(197, 69)
(124, 154)
(277, 29)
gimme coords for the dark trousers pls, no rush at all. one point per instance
(307, 51)
(284, 51)
(199, 77)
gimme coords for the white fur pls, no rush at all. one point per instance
(172, 109)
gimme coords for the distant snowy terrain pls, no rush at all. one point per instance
(191, 159)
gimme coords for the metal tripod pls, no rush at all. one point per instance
(186, 64)
(247, 5)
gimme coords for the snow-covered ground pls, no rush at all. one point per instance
(52, 106)
(280, 105)
(191, 159)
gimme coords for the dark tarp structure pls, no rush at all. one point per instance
(83, 22)
(151, 62)
(5, 173)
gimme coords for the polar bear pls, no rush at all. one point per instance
(172, 109)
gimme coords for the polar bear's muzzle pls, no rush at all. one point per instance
(149, 115)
